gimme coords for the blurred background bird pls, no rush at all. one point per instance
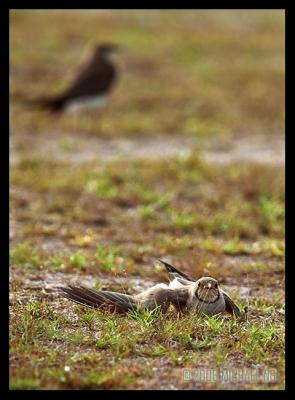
(90, 87)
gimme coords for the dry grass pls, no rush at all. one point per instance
(103, 224)
(187, 72)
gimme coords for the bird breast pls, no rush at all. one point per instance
(210, 308)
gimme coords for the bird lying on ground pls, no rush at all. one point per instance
(202, 296)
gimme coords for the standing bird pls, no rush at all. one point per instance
(184, 293)
(91, 85)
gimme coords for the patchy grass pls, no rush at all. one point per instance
(182, 71)
(109, 259)
(97, 342)
(24, 255)
(103, 224)
(78, 260)
(215, 227)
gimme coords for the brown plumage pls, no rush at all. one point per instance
(94, 79)
(184, 279)
(112, 301)
(183, 292)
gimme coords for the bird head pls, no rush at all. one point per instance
(106, 49)
(207, 289)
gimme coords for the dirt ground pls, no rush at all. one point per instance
(185, 162)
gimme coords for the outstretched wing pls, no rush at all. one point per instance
(174, 273)
(113, 301)
(230, 306)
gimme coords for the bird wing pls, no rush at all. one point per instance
(180, 298)
(119, 302)
(92, 79)
(174, 273)
(162, 296)
(230, 306)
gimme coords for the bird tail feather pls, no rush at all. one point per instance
(113, 301)
(53, 104)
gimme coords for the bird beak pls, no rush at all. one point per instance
(209, 286)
